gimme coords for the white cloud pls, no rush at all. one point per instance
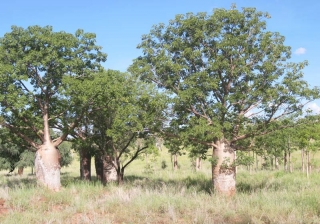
(300, 51)
(314, 107)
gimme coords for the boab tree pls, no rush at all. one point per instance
(229, 79)
(33, 62)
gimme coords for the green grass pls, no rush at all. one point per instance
(164, 196)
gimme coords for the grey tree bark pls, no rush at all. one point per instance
(223, 168)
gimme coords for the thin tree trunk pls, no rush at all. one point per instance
(85, 164)
(290, 162)
(120, 175)
(223, 168)
(302, 159)
(308, 163)
(307, 167)
(249, 166)
(285, 163)
(235, 159)
(289, 155)
(20, 171)
(276, 163)
(257, 162)
(197, 164)
(175, 162)
(98, 162)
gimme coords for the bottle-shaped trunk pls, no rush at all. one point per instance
(47, 166)
(47, 160)
(85, 164)
(223, 168)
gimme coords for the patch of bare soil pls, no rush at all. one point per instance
(3, 209)
(82, 218)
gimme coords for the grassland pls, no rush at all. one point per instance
(163, 196)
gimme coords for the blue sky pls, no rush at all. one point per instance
(119, 24)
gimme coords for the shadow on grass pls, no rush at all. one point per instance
(193, 184)
(18, 182)
(250, 187)
(255, 183)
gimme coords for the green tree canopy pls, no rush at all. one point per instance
(33, 62)
(122, 117)
(229, 77)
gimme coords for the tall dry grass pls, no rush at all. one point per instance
(164, 196)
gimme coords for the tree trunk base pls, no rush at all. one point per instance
(85, 165)
(20, 171)
(47, 168)
(225, 184)
(106, 172)
(223, 169)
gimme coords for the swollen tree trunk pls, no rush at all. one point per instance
(47, 160)
(223, 168)
(85, 164)
(47, 166)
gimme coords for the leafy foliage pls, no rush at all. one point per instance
(229, 78)
(122, 116)
(33, 62)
